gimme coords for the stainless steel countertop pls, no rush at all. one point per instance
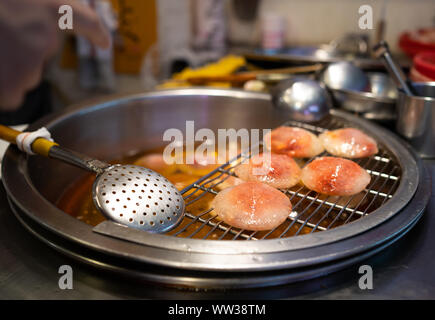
(29, 270)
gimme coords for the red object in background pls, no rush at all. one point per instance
(416, 76)
(415, 42)
(424, 63)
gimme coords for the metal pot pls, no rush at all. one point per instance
(123, 125)
(416, 118)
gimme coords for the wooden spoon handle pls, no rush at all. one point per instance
(243, 77)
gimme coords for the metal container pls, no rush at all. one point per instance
(225, 257)
(380, 99)
(416, 118)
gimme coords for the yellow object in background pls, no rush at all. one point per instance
(136, 33)
(225, 66)
(138, 30)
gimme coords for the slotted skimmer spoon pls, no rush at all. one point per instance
(127, 194)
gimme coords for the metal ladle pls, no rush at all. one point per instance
(303, 99)
(381, 50)
(127, 194)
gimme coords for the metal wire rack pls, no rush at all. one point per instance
(311, 212)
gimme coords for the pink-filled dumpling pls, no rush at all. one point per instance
(276, 170)
(335, 176)
(349, 143)
(294, 142)
(252, 206)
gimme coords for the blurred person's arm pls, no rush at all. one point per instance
(29, 36)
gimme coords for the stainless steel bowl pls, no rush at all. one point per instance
(380, 99)
(344, 75)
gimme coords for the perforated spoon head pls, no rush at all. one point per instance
(138, 197)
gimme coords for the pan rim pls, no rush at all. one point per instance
(15, 165)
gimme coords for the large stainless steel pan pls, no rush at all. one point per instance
(124, 125)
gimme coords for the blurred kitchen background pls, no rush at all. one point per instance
(161, 43)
